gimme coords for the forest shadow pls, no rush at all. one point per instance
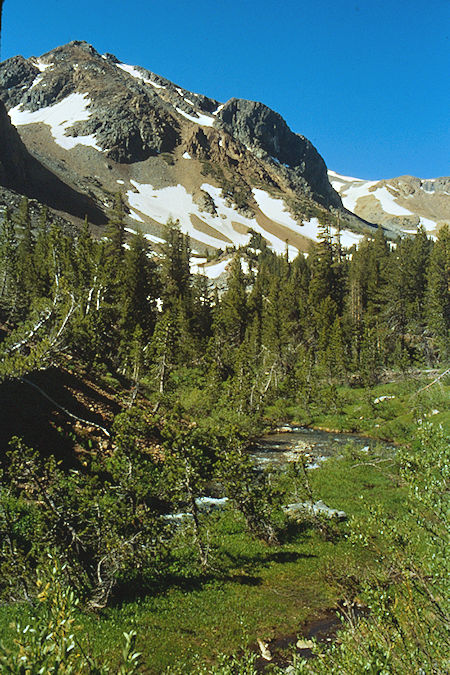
(26, 412)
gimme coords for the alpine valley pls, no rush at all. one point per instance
(224, 389)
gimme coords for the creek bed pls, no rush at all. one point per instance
(281, 447)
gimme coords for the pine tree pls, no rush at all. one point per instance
(138, 290)
(8, 267)
(230, 321)
(322, 284)
(115, 232)
(42, 255)
(175, 268)
(25, 257)
(438, 293)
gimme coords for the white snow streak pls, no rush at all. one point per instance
(135, 216)
(275, 209)
(213, 270)
(351, 179)
(60, 117)
(202, 120)
(388, 204)
(186, 155)
(131, 70)
(42, 66)
(428, 225)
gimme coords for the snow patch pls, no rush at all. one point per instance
(43, 66)
(186, 155)
(136, 216)
(380, 399)
(131, 70)
(230, 214)
(428, 225)
(210, 503)
(210, 270)
(38, 79)
(275, 209)
(388, 204)
(60, 117)
(202, 120)
(121, 182)
(359, 188)
(153, 238)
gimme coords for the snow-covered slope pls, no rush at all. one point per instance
(222, 170)
(401, 203)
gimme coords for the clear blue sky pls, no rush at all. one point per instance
(367, 81)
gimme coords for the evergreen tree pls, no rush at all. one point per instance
(115, 232)
(175, 268)
(139, 289)
(42, 255)
(438, 293)
(8, 267)
(230, 321)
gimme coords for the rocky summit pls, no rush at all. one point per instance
(91, 126)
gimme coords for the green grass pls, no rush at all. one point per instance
(255, 590)
(353, 409)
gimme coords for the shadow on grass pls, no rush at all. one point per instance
(298, 531)
(141, 588)
(289, 556)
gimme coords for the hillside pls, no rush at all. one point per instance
(221, 169)
(398, 204)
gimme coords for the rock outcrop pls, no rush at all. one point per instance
(93, 126)
(266, 134)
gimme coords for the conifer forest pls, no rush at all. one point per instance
(136, 533)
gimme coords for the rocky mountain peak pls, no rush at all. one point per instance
(222, 169)
(267, 135)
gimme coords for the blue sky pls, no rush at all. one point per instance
(366, 81)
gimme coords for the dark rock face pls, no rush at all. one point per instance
(132, 129)
(129, 120)
(21, 172)
(13, 165)
(16, 74)
(267, 135)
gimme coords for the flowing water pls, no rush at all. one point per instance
(282, 447)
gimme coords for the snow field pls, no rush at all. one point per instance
(60, 117)
(176, 203)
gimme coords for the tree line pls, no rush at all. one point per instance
(277, 329)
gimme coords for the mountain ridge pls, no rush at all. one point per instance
(98, 124)
(403, 203)
(223, 170)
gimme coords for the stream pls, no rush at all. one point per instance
(278, 449)
(281, 447)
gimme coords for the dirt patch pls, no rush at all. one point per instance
(323, 629)
(207, 229)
